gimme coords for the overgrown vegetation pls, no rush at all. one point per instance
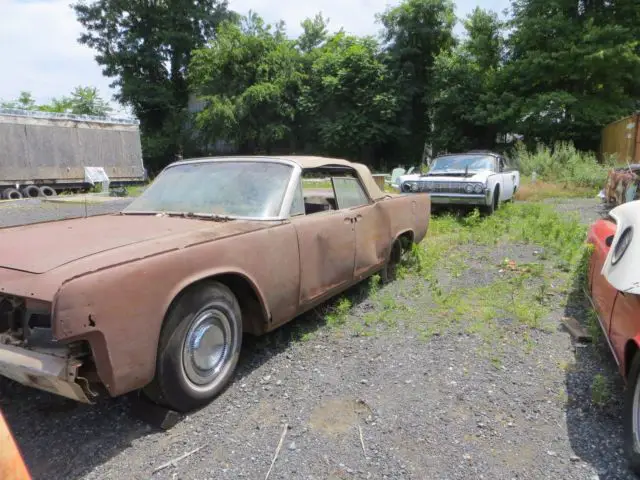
(541, 190)
(532, 223)
(82, 101)
(600, 390)
(562, 165)
(550, 73)
(516, 302)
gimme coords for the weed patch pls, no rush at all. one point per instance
(600, 391)
(562, 164)
(541, 190)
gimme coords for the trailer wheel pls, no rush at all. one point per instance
(31, 191)
(11, 194)
(47, 191)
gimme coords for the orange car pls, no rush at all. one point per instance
(12, 466)
(614, 289)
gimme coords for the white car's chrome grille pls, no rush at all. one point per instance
(443, 187)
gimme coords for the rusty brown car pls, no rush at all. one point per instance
(157, 297)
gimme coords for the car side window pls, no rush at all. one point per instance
(297, 204)
(349, 192)
(501, 164)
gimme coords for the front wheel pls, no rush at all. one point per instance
(632, 416)
(495, 202)
(199, 348)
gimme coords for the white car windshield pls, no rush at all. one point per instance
(462, 162)
(228, 188)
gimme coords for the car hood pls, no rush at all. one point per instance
(42, 247)
(480, 176)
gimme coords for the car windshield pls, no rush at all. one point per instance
(229, 188)
(461, 162)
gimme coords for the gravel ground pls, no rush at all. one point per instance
(390, 405)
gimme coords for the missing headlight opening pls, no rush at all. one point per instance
(24, 321)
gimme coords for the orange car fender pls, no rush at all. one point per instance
(12, 466)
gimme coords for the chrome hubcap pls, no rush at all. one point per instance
(207, 346)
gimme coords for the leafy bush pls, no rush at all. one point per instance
(563, 164)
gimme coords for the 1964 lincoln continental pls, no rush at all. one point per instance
(476, 178)
(157, 297)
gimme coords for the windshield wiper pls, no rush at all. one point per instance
(123, 212)
(200, 216)
(203, 216)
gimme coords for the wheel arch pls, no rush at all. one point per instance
(405, 237)
(254, 308)
(630, 350)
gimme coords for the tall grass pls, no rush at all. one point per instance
(532, 223)
(562, 164)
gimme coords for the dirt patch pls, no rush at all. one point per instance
(336, 416)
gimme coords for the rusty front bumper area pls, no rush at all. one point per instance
(51, 373)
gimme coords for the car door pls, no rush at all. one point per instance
(507, 177)
(603, 294)
(372, 225)
(326, 241)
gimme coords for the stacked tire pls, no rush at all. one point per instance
(30, 191)
(11, 194)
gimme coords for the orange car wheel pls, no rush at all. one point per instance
(199, 347)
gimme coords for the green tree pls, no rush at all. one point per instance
(24, 102)
(464, 98)
(573, 67)
(83, 101)
(87, 101)
(314, 33)
(416, 32)
(57, 105)
(350, 98)
(249, 77)
(146, 47)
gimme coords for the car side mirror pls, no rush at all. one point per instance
(609, 241)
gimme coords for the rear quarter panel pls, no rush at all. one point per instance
(408, 212)
(120, 310)
(625, 326)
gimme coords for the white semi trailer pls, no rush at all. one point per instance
(44, 153)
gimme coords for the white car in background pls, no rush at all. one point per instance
(477, 178)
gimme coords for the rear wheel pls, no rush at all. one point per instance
(199, 348)
(390, 270)
(632, 416)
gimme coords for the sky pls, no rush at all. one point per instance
(39, 51)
